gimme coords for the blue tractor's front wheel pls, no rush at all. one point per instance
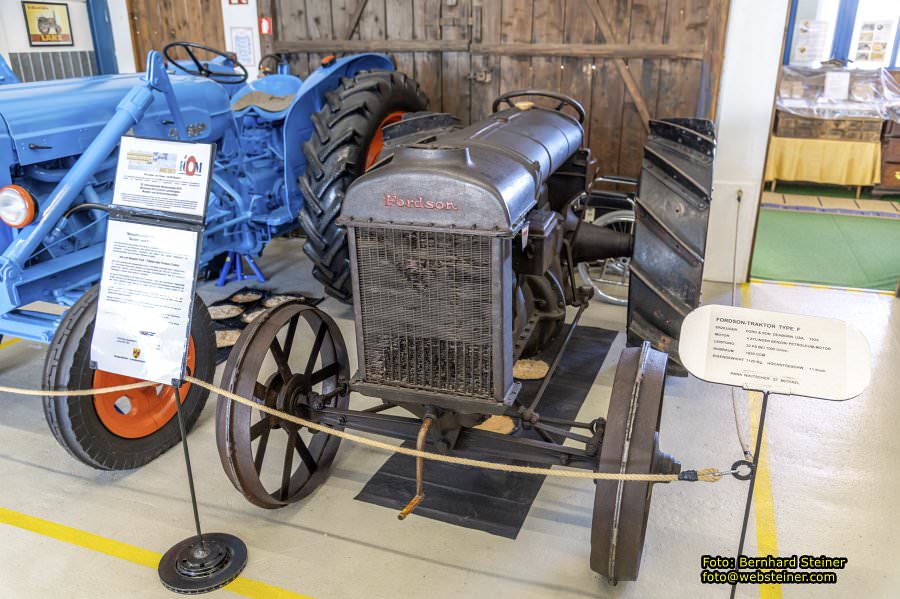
(347, 140)
(118, 431)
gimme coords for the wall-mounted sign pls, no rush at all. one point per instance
(48, 23)
(875, 41)
(809, 42)
(242, 45)
(150, 261)
(265, 25)
(782, 353)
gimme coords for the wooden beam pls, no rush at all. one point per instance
(372, 46)
(716, 55)
(594, 50)
(354, 20)
(630, 84)
(265, 8)
(513, 49)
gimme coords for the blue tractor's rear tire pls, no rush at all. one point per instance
(336, 155)
(76, 422)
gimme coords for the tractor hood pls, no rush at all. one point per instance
(53, 119)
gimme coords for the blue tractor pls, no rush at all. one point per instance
(58, 152)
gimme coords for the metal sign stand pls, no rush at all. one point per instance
(201, 563)
(759, 436)
(159, 200)
(775, 353)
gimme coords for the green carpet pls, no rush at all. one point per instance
(830, 249)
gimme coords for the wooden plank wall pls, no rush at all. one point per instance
(155, 23)
(466, 52)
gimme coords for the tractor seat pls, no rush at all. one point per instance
(262, 101)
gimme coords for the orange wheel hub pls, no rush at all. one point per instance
(139, 412)
(377, 143)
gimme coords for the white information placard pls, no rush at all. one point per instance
(782, 353)
(146, 296)
(161, 175)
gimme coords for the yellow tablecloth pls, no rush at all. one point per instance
(824, 161)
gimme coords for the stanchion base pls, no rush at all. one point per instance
(191, 568)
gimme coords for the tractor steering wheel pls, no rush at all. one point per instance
(563, 100)
(264, 70)
(202, 70)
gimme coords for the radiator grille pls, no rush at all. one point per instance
(425, 299)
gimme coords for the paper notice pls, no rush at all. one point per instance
(837, 85)
(777, 352)
(809, 42)
(159, 175)
(143, 315)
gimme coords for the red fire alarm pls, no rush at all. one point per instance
(265, 25)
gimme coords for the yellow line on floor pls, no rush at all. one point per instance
(763, 502)
(9, 342)
(129, 553)
(819, 286)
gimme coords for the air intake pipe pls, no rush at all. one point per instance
(592, 242)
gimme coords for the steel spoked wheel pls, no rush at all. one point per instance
(630, 444)
(609, 277)
(290, 358)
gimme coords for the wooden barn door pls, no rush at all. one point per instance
(155, 23)
(626, 60)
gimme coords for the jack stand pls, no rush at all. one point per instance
(236, 261)
(420, 471)
(204, 562)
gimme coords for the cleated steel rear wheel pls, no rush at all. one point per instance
(671, 221)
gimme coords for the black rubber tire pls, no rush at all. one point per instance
(74, 421)
(336, 155)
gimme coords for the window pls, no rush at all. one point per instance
(862, 32)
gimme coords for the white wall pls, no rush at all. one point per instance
(243, 16)
(747, 90)
(14, 35)
(121, 28)
(14, 38)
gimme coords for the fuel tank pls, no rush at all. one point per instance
(482, 179)
(46, 120)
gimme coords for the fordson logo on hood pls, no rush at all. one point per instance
(392, 199)
(190, 166)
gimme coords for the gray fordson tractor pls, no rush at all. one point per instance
(461, 250)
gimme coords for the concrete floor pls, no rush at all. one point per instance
(831, 468)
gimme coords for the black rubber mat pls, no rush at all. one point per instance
(495, 502)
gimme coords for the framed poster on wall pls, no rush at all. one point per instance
(48, 23)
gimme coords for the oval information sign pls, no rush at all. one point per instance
(772, 351)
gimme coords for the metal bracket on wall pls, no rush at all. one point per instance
(482, 76)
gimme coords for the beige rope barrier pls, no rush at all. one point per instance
(77, 392)
(709, 475)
